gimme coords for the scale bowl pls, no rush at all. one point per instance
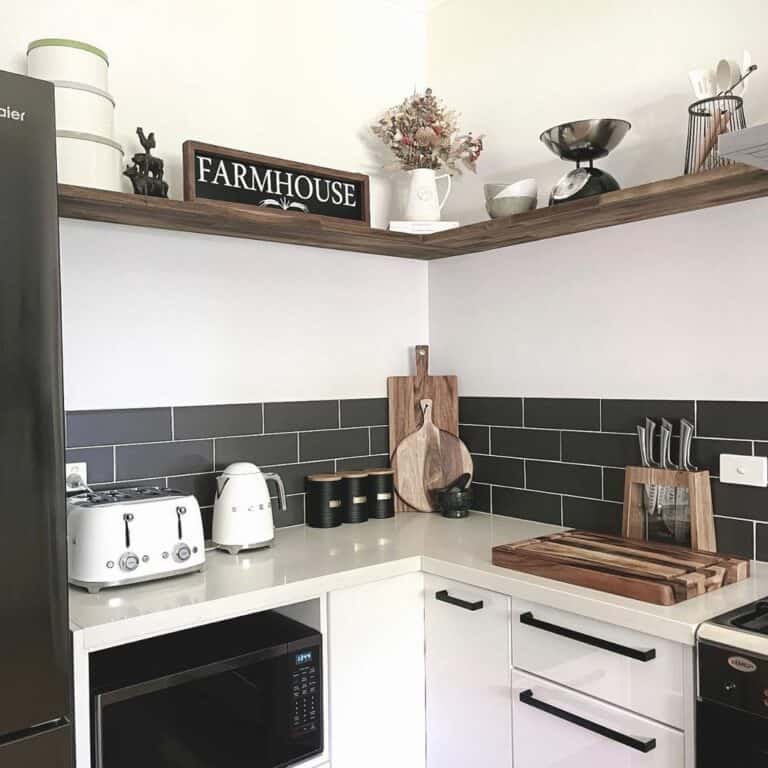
(585, 139)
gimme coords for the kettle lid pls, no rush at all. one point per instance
(241, 468)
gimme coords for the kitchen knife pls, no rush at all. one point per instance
(652, 490)
(686, 441)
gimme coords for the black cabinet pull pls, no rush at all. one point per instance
(641, 745)
(444, 597)
(529, 619)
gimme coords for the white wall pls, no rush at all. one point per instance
(166, 318)
(514, 69)
(300, 79)
(669, 308)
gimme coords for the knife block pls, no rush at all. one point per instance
(633, 523)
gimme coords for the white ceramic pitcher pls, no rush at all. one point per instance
(423, 202)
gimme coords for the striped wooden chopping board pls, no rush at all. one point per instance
(655, 573)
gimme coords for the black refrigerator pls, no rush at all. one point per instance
(35, 644)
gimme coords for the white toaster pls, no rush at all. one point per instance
(132, 535)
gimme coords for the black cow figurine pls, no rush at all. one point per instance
(146, 173)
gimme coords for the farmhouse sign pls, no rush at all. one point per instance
(228, 175)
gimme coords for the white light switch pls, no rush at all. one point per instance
(744, 470)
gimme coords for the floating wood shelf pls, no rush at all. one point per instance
(660, 198)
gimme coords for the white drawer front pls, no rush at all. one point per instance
(468, 676)
(653, 687)
(543, 739)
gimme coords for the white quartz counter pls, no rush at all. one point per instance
(304, 563)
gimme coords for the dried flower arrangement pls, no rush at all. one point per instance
(422, 133)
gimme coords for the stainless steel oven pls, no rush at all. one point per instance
(247, 692)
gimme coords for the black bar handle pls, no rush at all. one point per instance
(641, 745)
(633, 653)
(444, 597)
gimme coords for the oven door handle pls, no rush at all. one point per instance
(641, 745)
(606, 645)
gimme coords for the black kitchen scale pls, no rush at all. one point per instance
(584, 141)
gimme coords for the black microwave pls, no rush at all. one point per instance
(242, 693)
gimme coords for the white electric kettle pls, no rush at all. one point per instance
(242, 512)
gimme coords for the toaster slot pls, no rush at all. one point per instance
(180, 511)
(127, 520)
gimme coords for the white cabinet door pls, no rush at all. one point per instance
(640, 672)
(603, 736)
(468, 676)
(376, 674)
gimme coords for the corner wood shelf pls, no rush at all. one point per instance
(660, 198)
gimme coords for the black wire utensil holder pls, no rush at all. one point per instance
(708, 119)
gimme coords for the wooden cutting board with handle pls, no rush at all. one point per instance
(427, 460)
(405, 395)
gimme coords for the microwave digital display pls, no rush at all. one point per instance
(305, 657)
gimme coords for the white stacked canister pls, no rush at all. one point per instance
(88, 155)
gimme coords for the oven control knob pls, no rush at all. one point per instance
(729, 687)
(182, 553)
(129, 562)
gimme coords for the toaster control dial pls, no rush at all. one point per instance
(129, 562)
(182, 553)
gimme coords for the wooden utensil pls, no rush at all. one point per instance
(427, 460)
(406, 393)
(655, 573)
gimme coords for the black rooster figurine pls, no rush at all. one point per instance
(146, 173)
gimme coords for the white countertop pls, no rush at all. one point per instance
(307, 562)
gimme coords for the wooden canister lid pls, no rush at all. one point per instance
(354, 473)
(382, 471)
(323, 478)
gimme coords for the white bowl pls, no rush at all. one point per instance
(89, 161)
(523, 188)
(84, 109)
(68, 60)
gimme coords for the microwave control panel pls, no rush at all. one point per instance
(305, 691)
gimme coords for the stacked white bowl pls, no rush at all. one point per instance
(88, 155)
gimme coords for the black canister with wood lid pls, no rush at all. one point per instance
(381, 498)
(354, 496)
(324, 501)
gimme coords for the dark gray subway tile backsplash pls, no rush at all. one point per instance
(101, 462)
(722, 418)
(561, 413)
(625, 415)
(297, 416)
(501, 411)
(329, 444)
(364, 412)
(183, 458)
(186, 447)
(217, 421)
(556, 460)
(132, 425)
(525, 443)
(523, 472)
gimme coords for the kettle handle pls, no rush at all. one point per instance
(221, 486)
(280, 487)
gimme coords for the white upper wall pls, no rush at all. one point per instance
(514, 69)
(299, 79)
(168, 318)
(667, 308)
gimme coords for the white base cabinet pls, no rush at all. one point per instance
(467, 676)
(545, 735)
(376, 674)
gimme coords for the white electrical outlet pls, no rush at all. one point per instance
(744, 470)
(76, 474)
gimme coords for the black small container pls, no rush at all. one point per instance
(354, 497)
(324, 501)
(381, 495)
